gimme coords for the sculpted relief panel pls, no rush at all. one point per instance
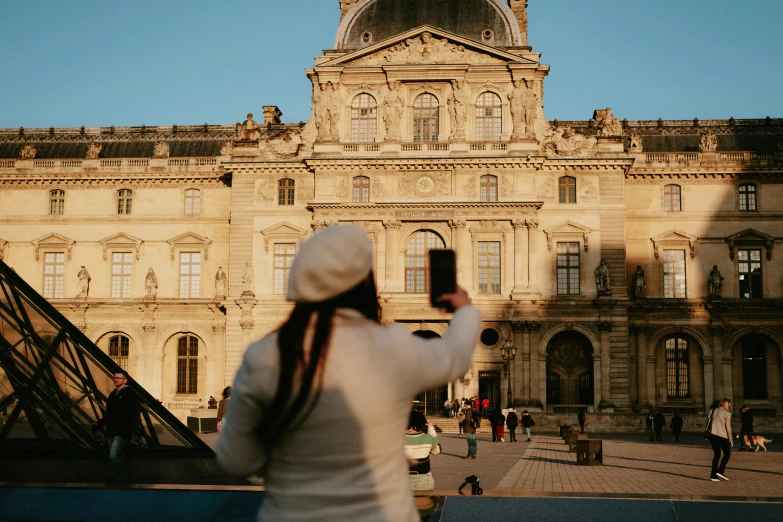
(426, 49)
(425, 184)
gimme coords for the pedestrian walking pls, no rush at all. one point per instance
(719, 425)
(317, 406)
(421, 441)
(446, 408)
(119, 418)
(746, 418)
(455, 408)
(659, 422)
(582, 418)
(527, 423)
(511, 423)
(498, 421)
(676, 426)
(485, 407)
(223, 406)
(648, 421)
(471, 422)
(460, 422)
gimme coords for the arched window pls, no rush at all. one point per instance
(192, 201)
(364, 119)
(119, 347)
(747, 197)
(285, 192)
(677, 361)
(489, 188)
(754, 368)
(425, 118)
(57, 202)
(672, 201)
(488, 118)
(124, 201)
(416, 271)
(187, 364)
(566, 189)
(361, 189)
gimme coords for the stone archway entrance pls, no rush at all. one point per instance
(756, 374)
(430, 402)
(569, 370)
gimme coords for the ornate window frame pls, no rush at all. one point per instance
(663, 197)
(569, 232)
(53, 242)
(199, 199)
(49, 202)
(492, 231)
(117, 201)
(751, 239)
(372, 137)
(756, 192)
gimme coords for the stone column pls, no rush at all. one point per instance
(520, 256)
(650, 366)
(598, 381)
(219, 356)
(533, 239)
(605, 327)
(709, 390)
(633, 378)
(521, 363)
(392, 255)
(537, 366)
(717, 360)
(153, 362)
(462, 247)
(641, 366)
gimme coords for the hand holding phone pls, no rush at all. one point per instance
(443, 277)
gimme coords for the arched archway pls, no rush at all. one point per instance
(569, 371)
(755, 373)
(679, 373)
(431, 402)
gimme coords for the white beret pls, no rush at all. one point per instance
(330, 263)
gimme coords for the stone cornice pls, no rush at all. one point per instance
(474, 211)
(407, 163)
(89, 180)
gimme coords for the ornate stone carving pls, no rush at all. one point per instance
(394, 225)
(458, 109)
(546, 190)
(84, 282)
(93, 149)
(150, 284)
(342, 188)
(417, 183)
(247, 324)
(148, 328)
(607, 123)
(507, 186)
(226, 148)
(28, 152)
(265, 189)
(715, 282)
(248, 130)
(563, 141)
(378, 190)
(602, 279)
(247, 279)
(425, 49)
(218, 328)
(287, 146)
(470, 187)
(634, 144)
(524, 108)
(220, 283)
(708, 142)
(393, 105)
(639, 284)
(587, 190)
(161, 150)
(326, 108)
(305, 190)
(458, 225)
(568, 353)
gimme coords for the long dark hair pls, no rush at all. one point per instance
(289, 408)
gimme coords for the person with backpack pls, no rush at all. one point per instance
(511, 424)
(470, 424)
(527, 423)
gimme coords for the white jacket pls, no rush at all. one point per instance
(345, 462)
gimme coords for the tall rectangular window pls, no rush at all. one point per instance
(192, 201)
(361, 189)
(57, 202)
(674, 273)
(566, 189)
(568, 268)
(285, 192)
(189, 275)
(54, 268)
(489, 267)
(747, 197)
(187, 364)
(672, 201)
(124, 201)
(750, 282)
(119, 348)
(488, 117)
(489, 189)
(284, 258)
(677, 386)
(121, 273)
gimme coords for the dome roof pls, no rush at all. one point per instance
(370, 21)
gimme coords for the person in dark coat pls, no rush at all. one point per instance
(497, 420)
(746, 418)
(119, 418)
(676, 426)
(582, 418)
(648, 422)
(527, 423)
(511, 423)
(659, 422)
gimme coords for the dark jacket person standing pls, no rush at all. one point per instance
(659, 422)
(511, 423)
(119, 418)
(676, 426)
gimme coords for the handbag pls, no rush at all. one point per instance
(708, 430)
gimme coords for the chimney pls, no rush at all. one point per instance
(271, 114)
(345, 6)
(519, 7)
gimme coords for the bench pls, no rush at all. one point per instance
(589, 453)
(563, 430)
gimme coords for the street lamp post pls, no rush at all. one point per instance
(508, 352)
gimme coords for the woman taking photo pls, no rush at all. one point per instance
(319, 407)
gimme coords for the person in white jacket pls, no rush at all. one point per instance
(720, 438)
(319, 407)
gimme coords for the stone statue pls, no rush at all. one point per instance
(639, 285)
(326, 106)
(220, 283)
(715, 282)
(458, 108)
(248, 130)
(608, 124)
(708, 142)
(151, 284)
(563, 141)
(635, 144)
(93, 149)
(226, 148)
(286, 146)
(602, 280)
(247, 278)
(28, 152)
(393, 106)
(161, 150)
(84, 282)
(524, 107)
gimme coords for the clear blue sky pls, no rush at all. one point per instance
(158, 62)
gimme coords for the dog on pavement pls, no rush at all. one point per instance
(758, 441)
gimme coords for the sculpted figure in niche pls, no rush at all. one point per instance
(715, 282)
(161, 150)
(602, 280)
(635, 144)
(220, 283)
(93, 149)
(393, 105)
(226, 148)
(27, 152)
(248, 130)
(84, 282)
(247, 278)
(708, 142)
(326, 106)
(458, 108)
(151, 284)
(608, 124)
(639, 285)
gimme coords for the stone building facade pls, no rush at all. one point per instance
(619, 265)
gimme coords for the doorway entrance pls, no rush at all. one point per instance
(489, 387)
(431, 402)
(569, 370)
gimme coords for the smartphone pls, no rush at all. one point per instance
(443, 276)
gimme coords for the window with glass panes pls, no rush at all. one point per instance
(671, 198)
(57, 202)
(189, 275)
(489, 188)
(187, 364)
(750, 282)
(361, 189)
(677, 386)
(566, 189)
(364, 118)
(124, 201)
(754, 367)
(488, 117)
(121, 273)
(192, 201)
(425, 118)
(285, 192)
(54, 268)
(284, 258)
(489, 267)
(119, 347)
(674, 273)
(747, 197)
(417, 276)
(568, 268)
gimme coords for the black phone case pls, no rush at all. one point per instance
(443, 275)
